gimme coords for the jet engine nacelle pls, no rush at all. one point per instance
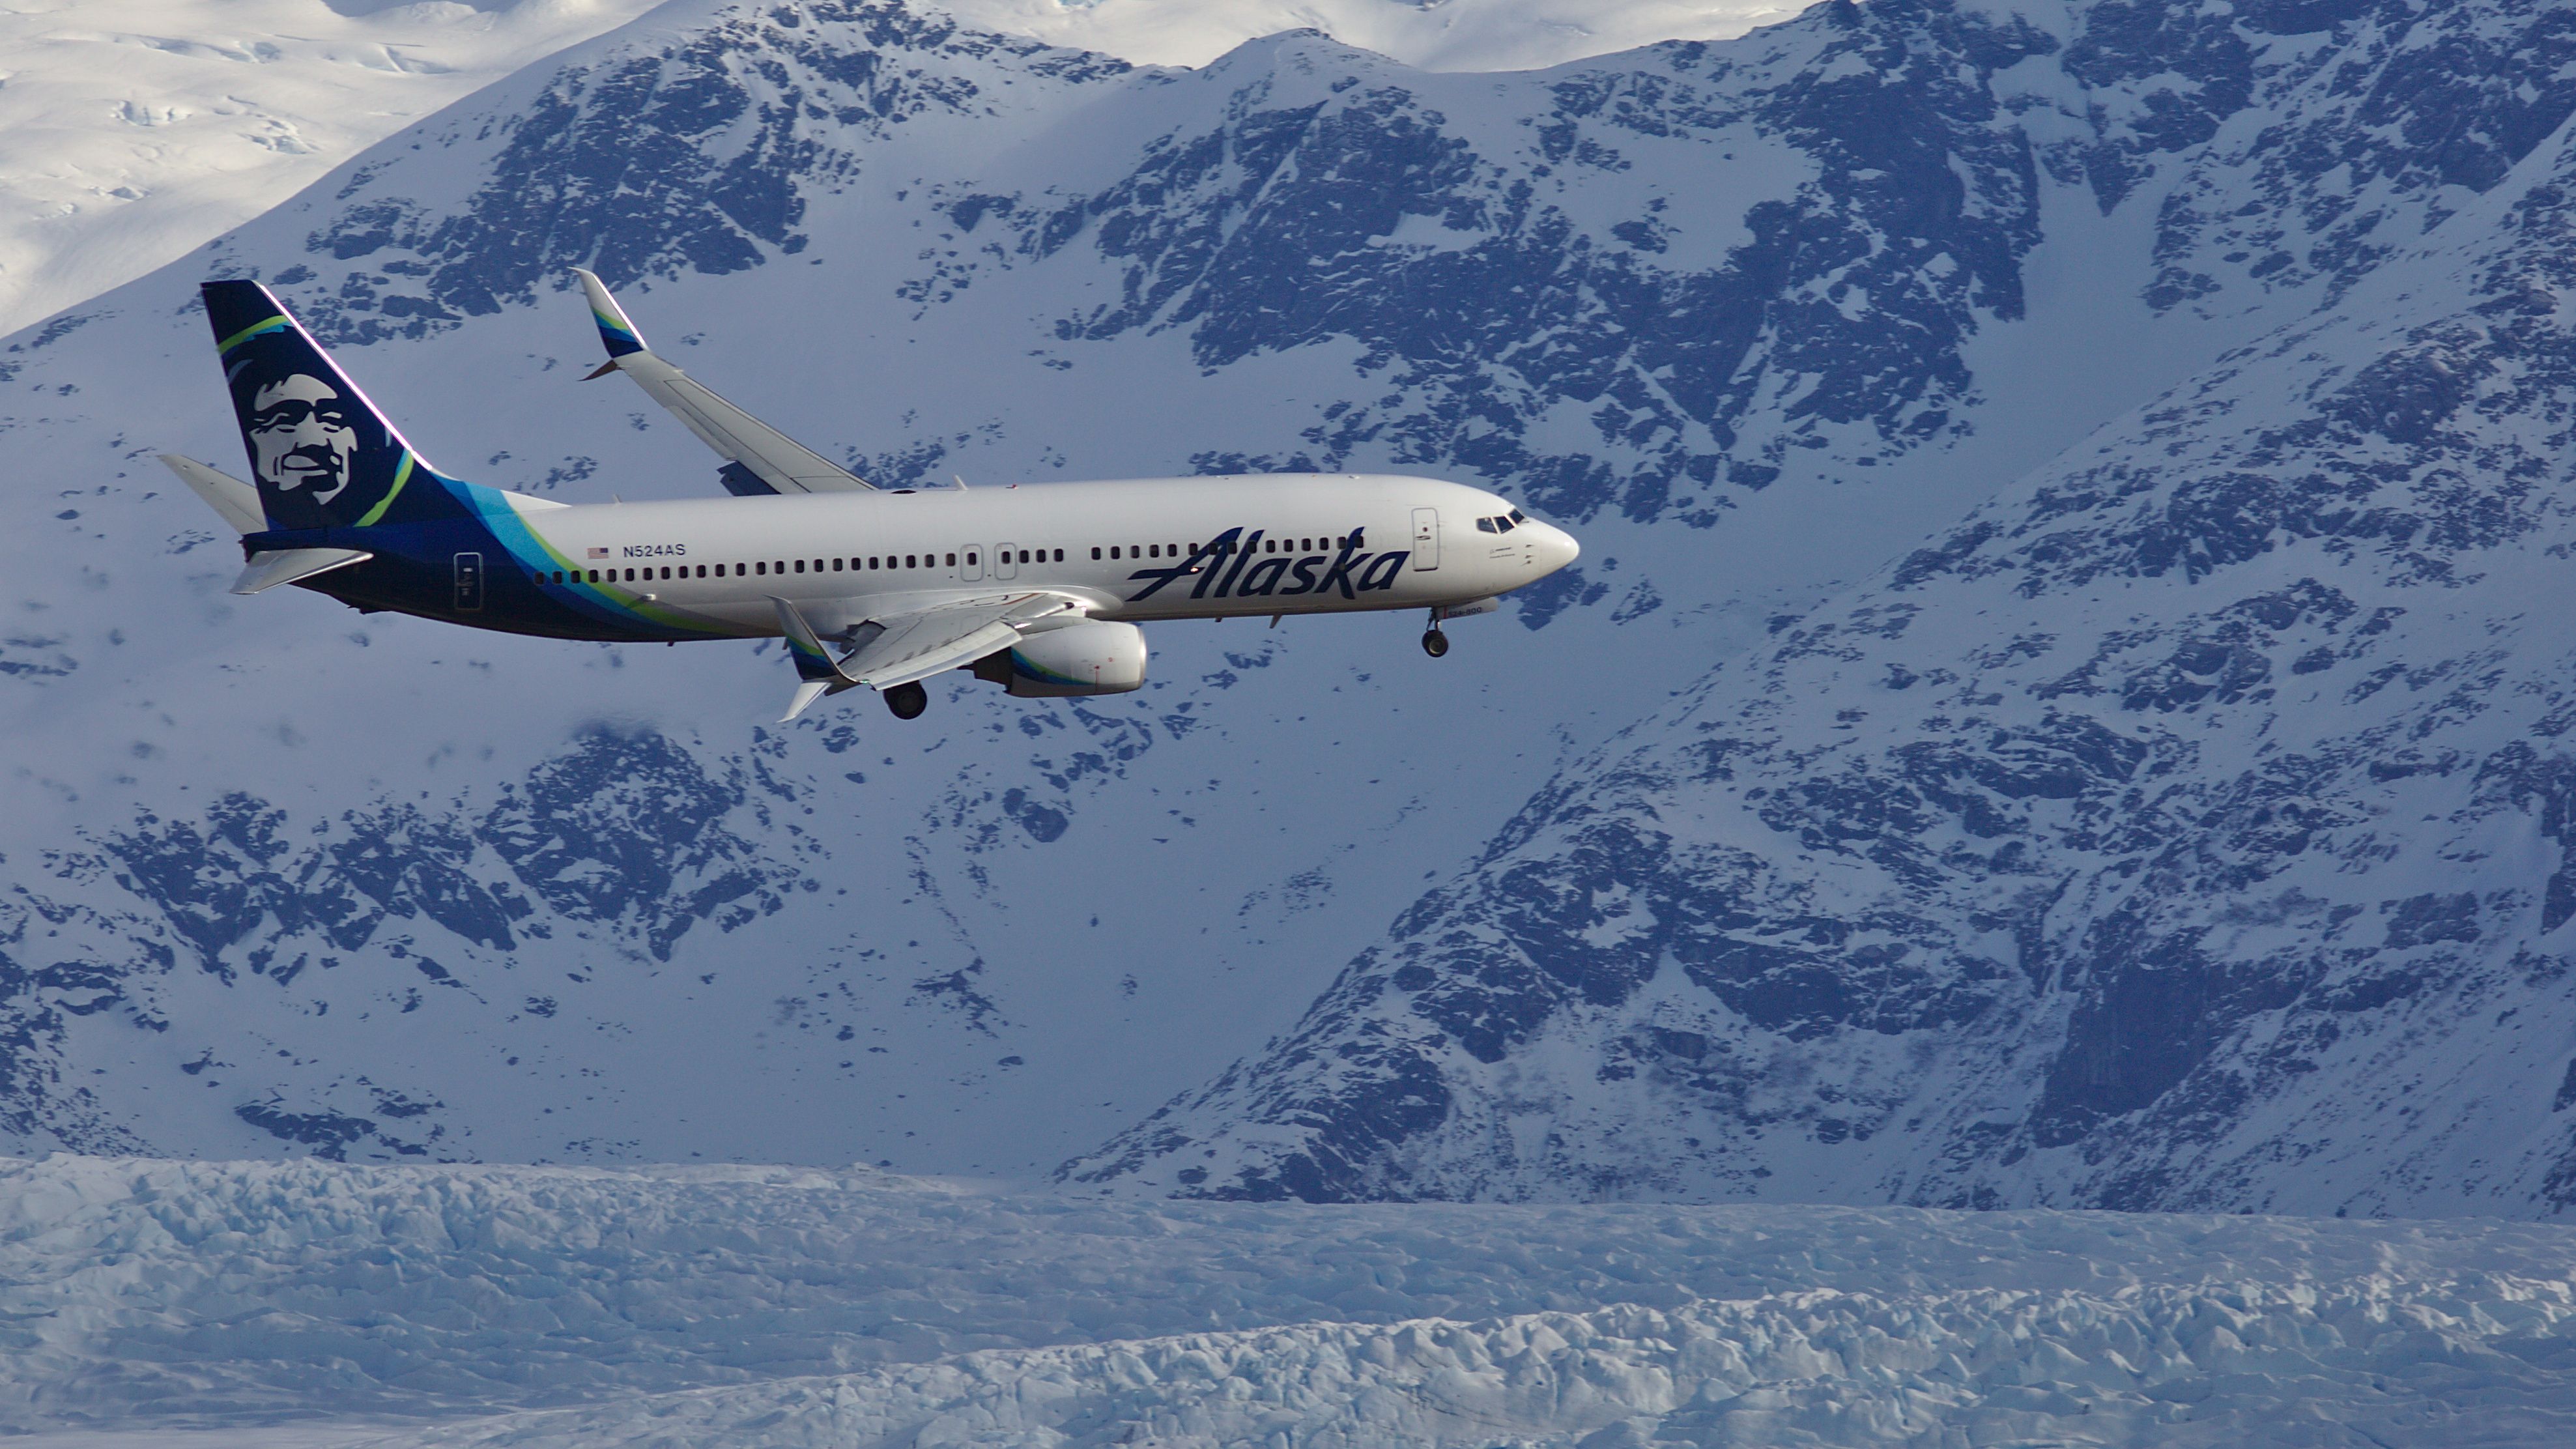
(1093, 657)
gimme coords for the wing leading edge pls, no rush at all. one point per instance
(758, 457)
(909, 647)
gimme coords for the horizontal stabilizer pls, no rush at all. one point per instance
(293, 565)
(775, 459)
(237, 501)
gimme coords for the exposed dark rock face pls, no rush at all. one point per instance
(627, 837)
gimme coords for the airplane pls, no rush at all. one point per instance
(1039, 589)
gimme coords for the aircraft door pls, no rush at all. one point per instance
(1426, 539)
(469, 583)
(973, 568)
(1005, 561)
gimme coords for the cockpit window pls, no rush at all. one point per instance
(1516, 516)
(1486, 525)
(1503, 524)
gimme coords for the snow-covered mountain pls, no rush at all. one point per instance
(1443, 35)
(2185, 829)
(132, 131)
(372, 890)
(1755, 317)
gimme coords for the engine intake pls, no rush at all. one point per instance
(1093, 657)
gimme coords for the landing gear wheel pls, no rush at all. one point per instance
(907, 700)
(1435, 643)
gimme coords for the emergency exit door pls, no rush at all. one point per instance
(1426, 539)
(469, 583)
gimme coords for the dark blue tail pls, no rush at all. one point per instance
(322, 455)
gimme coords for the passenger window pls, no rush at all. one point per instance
(1059, 555)
(952, 560)
(1024, 555)
(1113, 551)
(760, 568)
(970, 558)
(1095, 553)
(911, 562)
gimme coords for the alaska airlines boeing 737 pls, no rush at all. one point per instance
(1038, 589)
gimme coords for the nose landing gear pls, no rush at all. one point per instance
(1435, 643)
(907, 700)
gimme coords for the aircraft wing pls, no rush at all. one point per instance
(758, 458)
(897, 649)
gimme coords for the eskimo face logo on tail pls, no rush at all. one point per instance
(302, 435)
(322, 455)
(1235, 565)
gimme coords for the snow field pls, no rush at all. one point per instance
(132, 130)
(548, 1306)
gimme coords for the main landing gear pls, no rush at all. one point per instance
(1435, 643)
(907, 700)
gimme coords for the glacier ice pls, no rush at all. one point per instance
(572, 1306)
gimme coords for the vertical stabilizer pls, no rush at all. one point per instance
(321, 454)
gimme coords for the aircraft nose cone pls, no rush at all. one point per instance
(1556, 548)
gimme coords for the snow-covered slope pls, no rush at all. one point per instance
(2183, 830)
(289, 880)
(134, 130)
(1449, 35)
(1754, 317)
(533, 1306)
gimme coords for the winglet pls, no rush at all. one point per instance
(616, 333)
(769, 460)
(806, 693)
(816, 673)
(812, 662)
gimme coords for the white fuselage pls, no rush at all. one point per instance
(1400, 543)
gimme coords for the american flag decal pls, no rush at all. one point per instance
(599, 553)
